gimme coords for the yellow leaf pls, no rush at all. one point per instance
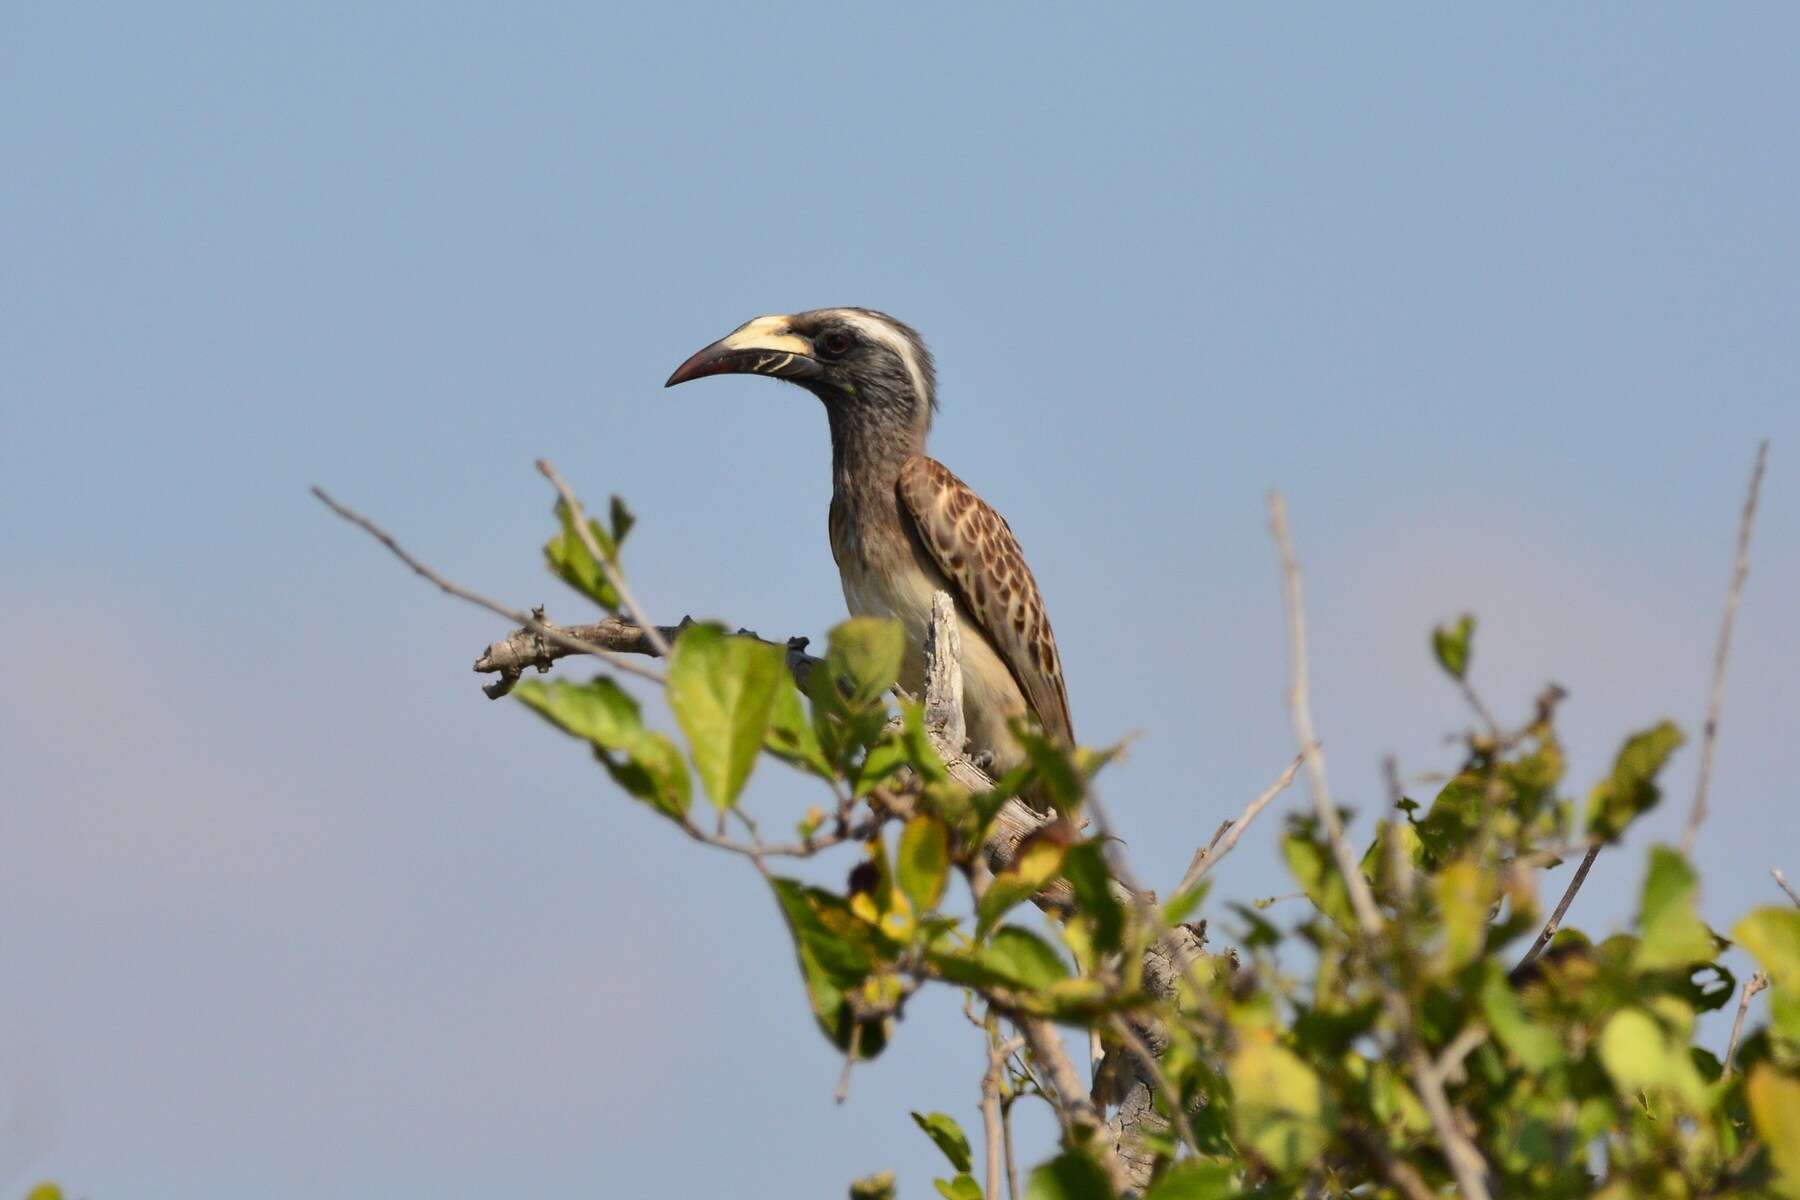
(1280, 1109)
(1775, 1111)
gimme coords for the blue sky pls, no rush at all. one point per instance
(288, 907)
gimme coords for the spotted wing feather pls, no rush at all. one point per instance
(975, 549)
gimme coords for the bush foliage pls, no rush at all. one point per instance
(1306, 1059)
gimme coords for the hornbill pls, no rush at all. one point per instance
(901, 525)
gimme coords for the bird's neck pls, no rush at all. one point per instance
(866, 455)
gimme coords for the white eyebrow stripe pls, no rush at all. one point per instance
(893, 339)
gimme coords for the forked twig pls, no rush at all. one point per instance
(1752, 985)
(524, 619)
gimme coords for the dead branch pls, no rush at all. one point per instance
(1465, 1160)
(1740, 571)
(1752, 985)
(1562, 908)
(1228, 834)
(1781, 880)
(569, 644)
(579, 518)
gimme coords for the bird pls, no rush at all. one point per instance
(902, 526)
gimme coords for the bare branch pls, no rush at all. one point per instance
(1740, 571)
(1562, 908)
(657, 641)
(1752, 985)
(1465, 1160)
(993, 1117)
(1362, 899)
(1400, 864)
(1073, 1102)
(1782, 880)
(522, 648)
(1147, 1061)
(1204, 858)
(1402, 1174)
(1450, 1059)
(571, 645)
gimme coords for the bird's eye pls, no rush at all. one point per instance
(834, 343)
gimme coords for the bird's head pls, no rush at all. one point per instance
(867, 367)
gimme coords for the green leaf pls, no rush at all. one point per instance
(920, 753)
(570, 561)
(791, 736)
(599, 710)
(948, 1135)
(875, 1187)
(1280, 1110)
(1672, 933)
(1465, 895)
(722, 690)
(1038, 859)
(1015, 958)
(1258, 933)
(622, 520)
(1313, 864)
(1071, 1175)
(646, 764)
(1454, 820)
(1641, 1055)
(1535, 1045)
(863, 654)
(1631, 791)
(923, 864)
(884, 758)
(1773, 936)
(1061, 782)
(654, 772)
(1195, 1180)
(1084, 866)
(1181, 905)
(1451, 645)
(1023, 957)
(838, 951)
(963, 1187)
(1774, 1100)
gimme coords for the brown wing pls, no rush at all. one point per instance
(974, 547)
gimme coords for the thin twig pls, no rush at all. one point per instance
(1482, 711)
(1752, 985)
(1204, 858)
(1782, 880)
(1012, 1162)
(843, 1085)
(1465, 1160)
(576, 645)
(1073, 1103)
(993, 1118)
(1400, 865)
(613, 577)
(1450, 1058)
(1740, 571)
(1362, 900)
(1562, 907)
(1402, 1174)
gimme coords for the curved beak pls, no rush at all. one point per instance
(765, 346)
